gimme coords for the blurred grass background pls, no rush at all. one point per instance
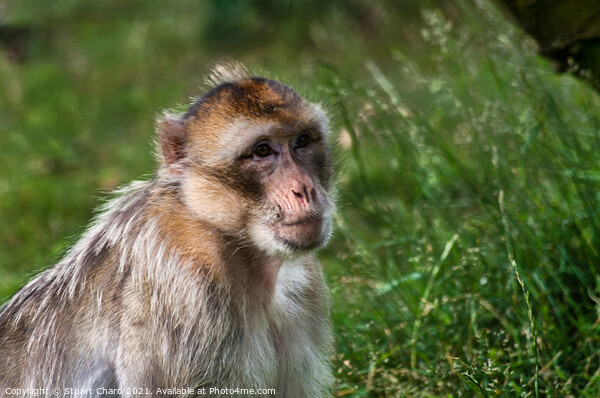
(466, 258)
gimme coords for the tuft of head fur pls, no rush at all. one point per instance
(226, 72)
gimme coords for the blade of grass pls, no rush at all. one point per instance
(424, 297)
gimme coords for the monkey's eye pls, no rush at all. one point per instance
(262, 150)
(302, 141)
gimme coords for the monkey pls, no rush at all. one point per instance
(201, 280)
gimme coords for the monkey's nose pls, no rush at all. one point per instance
(303, 195)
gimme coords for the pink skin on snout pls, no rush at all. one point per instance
(298, 200)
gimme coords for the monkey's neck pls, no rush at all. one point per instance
(204, 247)
(253, 268)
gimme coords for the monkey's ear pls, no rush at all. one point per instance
(173, 138)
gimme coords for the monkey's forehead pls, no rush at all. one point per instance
(244, 128)
(247, 125)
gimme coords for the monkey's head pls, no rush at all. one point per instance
(252, 160)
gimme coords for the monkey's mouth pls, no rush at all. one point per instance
(303, 221)
(301, 233)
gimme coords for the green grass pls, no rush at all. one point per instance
(466, 258)
(470, 222)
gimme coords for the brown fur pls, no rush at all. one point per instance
(201, 277)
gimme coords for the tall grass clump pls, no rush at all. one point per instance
(467, 257)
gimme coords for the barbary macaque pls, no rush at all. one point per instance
(201, 279)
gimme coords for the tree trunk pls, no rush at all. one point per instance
(567, 32)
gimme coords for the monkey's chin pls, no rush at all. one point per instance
(291, 239)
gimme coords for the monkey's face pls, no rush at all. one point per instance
(254, 163)
(289, 168)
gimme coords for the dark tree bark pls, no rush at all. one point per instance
(14, 40)
(567, 32)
